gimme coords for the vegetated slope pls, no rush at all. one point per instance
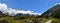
(25, 18)
(6, 18)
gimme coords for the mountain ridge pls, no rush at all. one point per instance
(54, 11)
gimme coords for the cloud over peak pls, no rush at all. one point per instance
(5, 9)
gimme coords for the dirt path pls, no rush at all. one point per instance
(49, 21)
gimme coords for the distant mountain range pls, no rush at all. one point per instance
(18, 14)
(12, 12)
(54, 12)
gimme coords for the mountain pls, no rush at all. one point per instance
(54, 12)
(23, 15)
(18, 14)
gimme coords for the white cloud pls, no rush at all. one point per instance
(5, 9)
(57, 3)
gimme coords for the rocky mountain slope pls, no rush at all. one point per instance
(54, 12)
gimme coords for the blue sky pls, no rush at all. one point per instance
(38, 6)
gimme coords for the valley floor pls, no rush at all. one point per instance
(9, 19)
